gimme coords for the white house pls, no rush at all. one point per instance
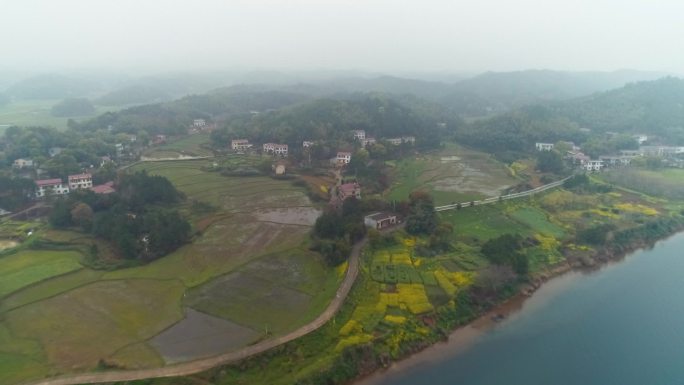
(343, 157)
(615, 161)
(408, 139)
(80, 181)
(544, 146)
(51, 187)
(368, 141)
(276, 149)
(395, 141)
(22, 163)
(380, 220)
(359, 134)
(240, 144)
(281, 149)
(307, 143)
(269, 147)
(199, 123)
(641, 138)
(593, 165)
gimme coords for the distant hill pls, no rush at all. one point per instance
(655, 107)
(52, 86)
(495, 92)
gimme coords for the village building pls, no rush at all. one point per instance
(240, 144)
(80, 181)
(543, 146)
(403, 139)
(661, 151)
(276, 149)
(616, 161)
(641, 139)
(22, 163)
(106, 188)
(369, 141)
(632, 153)
(380, 221)
(577, 158)
(343, 158)
(348, 190)
(159, 139)
(359, 135)
(308, 143)
(593, 165)
(45, 187)
(199, 123)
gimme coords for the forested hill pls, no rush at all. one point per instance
(496, 92)
(655, 108)
(331, 119)
(175, 117)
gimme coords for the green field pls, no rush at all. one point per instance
(37, 113)
(58, 316)
(190, 145)
(27, 267)
(453, 174)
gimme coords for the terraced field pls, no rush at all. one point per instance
(248, 275)
(453, 174)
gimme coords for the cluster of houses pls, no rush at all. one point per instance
(56, 186)
(584, 162)
(342, 158)
(360, 135)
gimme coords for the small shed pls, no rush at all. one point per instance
(380, 220)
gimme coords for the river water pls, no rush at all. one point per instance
(621, 325)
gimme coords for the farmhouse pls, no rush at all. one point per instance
(616, 161)
(106, 188)
(400, 140)
(240, 144)
(359, 135)
(343, 157)
(159, 139)
(276, 149)
(307, 143)
(348, 190)
(368, 141)
(46, 187)
(199, 123)
(22, 163)
(380, 220)
(593, 165)
(544, 146)
(80, 181)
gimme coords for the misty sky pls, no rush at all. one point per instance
(414, 35)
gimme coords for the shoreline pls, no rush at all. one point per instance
(464, 337)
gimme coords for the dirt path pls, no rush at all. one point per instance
(192, 367)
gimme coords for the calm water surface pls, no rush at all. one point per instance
(621, 325)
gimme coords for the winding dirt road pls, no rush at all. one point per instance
(192, 367)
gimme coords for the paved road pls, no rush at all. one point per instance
(503, 197)
(192, 367)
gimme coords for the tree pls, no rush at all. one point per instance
(422, 218)
(550, 161)
(506, 250)
(82, 215)
(61, 214)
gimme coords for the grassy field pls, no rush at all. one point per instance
(249, 265)
(453, 174)
(37, 113)
(28, 267)
(190, 145)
